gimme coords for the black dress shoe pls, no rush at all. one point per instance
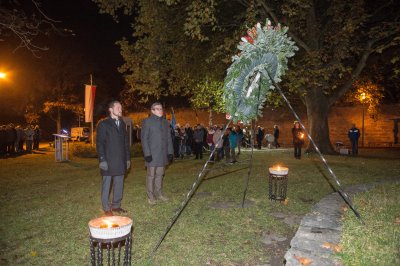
(119, 210)
(108, 213)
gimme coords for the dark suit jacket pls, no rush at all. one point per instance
(112, 145)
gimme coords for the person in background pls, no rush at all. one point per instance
(247, 137)
(210, 140)
(218, 144)
(36, 137)
(112, 145)
(198, 137)
(136, 134)
(204, 129)
(233, 144)
(276, 136)
(298, 139)
(19, 141)
(259, 137)
(176, 140)
(157, 150)
(354, 135)
(189, 139)
(240, 136)
(226, 145)
(29, 132)
(182, 142)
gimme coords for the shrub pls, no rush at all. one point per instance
(136, 150)
(84, 150)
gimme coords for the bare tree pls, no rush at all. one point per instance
(25, 21)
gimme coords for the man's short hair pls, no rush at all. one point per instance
(154, 105)
(112, 103)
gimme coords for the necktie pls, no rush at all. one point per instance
(117, 122)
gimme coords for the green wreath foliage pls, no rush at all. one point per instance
(265, 50)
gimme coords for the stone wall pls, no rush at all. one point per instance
(340, 120)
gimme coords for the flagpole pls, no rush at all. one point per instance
(91, 84)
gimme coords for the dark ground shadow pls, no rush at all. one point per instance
(322, 171)
(221, 174)
(39, 152)
(367, 153)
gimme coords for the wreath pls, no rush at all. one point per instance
(264, 52)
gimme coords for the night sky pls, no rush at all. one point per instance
(89, 35)
(94, 33)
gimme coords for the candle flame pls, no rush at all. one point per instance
(108, 224)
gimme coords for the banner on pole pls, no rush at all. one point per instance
(173, 120)
(90, 92)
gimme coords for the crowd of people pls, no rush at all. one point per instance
(188, 141)
(13, 138)
(191, 141)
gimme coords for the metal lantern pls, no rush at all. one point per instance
(278, 180)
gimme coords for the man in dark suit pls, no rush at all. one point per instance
(157, 150)
(112, 145)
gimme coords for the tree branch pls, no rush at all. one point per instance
(381, 7)
(244, 3)
(298, 41)
(354, 75)
(14, 20)
(37, 5)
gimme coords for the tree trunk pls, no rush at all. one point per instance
(318, 108)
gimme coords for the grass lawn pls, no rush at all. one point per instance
(45, 207)
(378, 242)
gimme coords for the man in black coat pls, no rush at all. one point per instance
(157, 150)
(112, 145)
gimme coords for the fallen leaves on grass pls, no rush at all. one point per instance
(334, 247)
(363, 202)
(397, 220)
(303, 260)
(33, 253)
(285, 202)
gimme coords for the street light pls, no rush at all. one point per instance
(3, 75)
(362, 99)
